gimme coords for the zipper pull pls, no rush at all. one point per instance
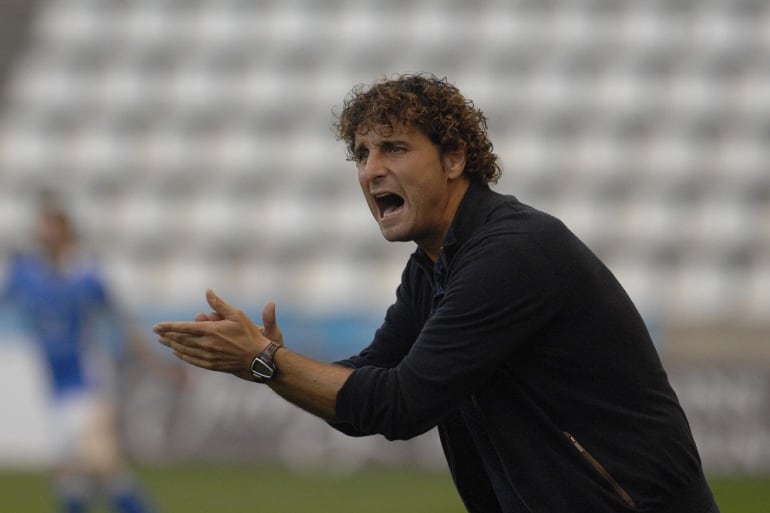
(574, 441)
(442, 256)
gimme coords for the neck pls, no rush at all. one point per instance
(57, 255)
(432, 246)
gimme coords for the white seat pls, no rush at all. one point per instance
(756, 308)
(670, 162)
(68, 22)
(182, 282)
(27, 153)
(209, 122)
(720, 226)
(16, 219)
(593, 220)
(718, 28)
(703, 291)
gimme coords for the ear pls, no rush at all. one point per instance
(454, 161)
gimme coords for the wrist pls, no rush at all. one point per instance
(263, 367)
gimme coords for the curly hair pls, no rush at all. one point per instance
(428, 103)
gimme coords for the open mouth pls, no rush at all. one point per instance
(388, 204)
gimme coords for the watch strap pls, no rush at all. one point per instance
(268, 353)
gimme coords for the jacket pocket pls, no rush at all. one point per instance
(601, 470)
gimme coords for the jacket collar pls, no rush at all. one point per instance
(471, 213)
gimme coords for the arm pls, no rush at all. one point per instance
(500, 296)
(307, 383)
(104, 306)
(9, 280)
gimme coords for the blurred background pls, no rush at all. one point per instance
(192, 140)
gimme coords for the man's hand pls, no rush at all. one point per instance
(224, 340)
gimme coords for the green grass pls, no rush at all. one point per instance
(742, 494)
(235, 489)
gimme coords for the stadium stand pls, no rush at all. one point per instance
(194, 138)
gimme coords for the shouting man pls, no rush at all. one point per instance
(507, 333)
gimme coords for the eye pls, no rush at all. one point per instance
(360, 156)
(393, 148)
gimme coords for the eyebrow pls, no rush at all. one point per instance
(382, 142)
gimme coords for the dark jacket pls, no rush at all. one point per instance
(529, 325)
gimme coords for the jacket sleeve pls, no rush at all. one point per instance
(390, 344)
(500, 291)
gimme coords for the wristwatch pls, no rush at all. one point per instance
(262, 366)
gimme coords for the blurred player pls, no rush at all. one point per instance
(61, 296)
(507, 333)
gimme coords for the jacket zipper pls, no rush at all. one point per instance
(601, 470)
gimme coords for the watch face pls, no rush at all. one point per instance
(261, 369)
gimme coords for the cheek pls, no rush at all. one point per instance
(427, 195)
(363, 186)
(361, 180)
(370, 204)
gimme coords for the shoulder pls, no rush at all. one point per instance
(517, 242)
(82, 263)
(85, 270)
(508, 212)
(512, 226)
(21, 262)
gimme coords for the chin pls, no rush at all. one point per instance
(391, 235)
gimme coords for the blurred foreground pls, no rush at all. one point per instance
(236, 489)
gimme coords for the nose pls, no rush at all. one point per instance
(371, 169)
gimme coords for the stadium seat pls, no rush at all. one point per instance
(194, 136)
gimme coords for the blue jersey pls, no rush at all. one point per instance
(57, 305)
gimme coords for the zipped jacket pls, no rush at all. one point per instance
(519, 317)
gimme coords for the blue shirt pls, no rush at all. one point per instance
(57, 305)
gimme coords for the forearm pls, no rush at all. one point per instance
(309, 384)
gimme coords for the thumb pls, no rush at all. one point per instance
(270, 327)
(220, 306)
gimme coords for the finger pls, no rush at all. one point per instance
(182, 343)
(211, 316)
(231, 313)
(220, 306)
(193, 360)
(186, 327)
(191, 352)
(270, 327)
(175, 341)
(268, 317)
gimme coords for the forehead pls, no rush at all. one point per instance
(53, 218)
(381, 132)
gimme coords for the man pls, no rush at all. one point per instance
(61, 296)
(507, 332)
